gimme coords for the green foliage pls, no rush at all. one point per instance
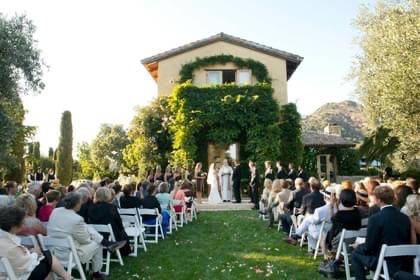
(291, 146)
(64, 164)
(258, 69)
(151, 143)
(379, 145)
(106, 150)
(223, 114)
(387, 73)
(51, 153)
(87, 167)
(20, 72)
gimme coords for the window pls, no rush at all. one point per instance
(214, 77)
(229, 76)
(244, 77)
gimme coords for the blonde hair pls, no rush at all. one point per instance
(268, 184)
(347, 185)
(412, 206)
(28, 203)
(276, 186)
(103, 194)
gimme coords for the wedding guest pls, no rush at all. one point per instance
(390, 227)
(87, 201)
(281, 173)
(412, 183)
(103, 212)
(272, 200)
(34, 188)
(292, 175)
(141, 189)
(281, 200)
(52, 199)
(27, 264)
(51, 175)
(362, 198)
(200, 179)
(302, 174)
(236, 177)
(31, 224)
(254, 184)
(128, 200)
(116, 187)
(265, 194)
(347, 185)
(163, 196)
(158, 174)
(268, 171)
(179, 195)
(347, 217)
(312, 200)
(401, 194)
(151, 202)
(9, 199)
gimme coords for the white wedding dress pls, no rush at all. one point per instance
(214, 196)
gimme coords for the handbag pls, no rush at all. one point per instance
(330, 269)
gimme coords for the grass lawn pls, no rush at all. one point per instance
(221, 245)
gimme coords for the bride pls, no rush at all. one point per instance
(213, 181)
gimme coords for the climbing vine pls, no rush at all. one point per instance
(258, 69)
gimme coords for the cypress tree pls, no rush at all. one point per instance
(36, 154)
(64, 163)
(291, 146)
(51, 153)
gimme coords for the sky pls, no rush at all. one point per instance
(93, 51)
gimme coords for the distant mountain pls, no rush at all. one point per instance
(348, 114)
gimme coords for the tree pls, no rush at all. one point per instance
(291, 146)
(20, 72)
(386, 73)
(51, 153)
(87, 167)
(64, 164)
(36, 155)
(106, 150)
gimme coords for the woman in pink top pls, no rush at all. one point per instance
(52, 199)
(178, 194)
(31, 224)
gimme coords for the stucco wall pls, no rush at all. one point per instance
(169, 68)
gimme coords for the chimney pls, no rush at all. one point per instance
(333, 129)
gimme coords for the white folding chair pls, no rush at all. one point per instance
(156, 226)
(66, 244)
(181, 214)
(295, 223)
(138, 227)
(107, 230)
(191, 212)
(172, 222)
(7, 269)
(396, 251)
(321, 240)
(364, 222)
(342, 247)
(28, 241)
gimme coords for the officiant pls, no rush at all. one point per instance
(225, 174)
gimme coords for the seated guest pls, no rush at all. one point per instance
(116, 187)
(87, 201)
(389, 226)
(151, 202)
(163, 196)
(9, 198)
(186, 186)
(346, 185)
(265, 194)
(347, 217)
(371, 186)
(362, 198)
(31, 225)
(27, 264)
(412, 210)
(312, 200)
(89, 243)
(284, 196)
(272, 200)
(34, 188)
(178, 195)
(128, 200)
(142, 189)
(52, 199)
(103, 212)
(401, 193)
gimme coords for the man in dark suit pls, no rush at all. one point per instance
(389, 226)
(312, 200)
(281, 173)
(236, 177)
(301, 174)
(254, 185)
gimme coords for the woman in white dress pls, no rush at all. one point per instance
(213, 181)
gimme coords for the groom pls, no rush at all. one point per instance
(236, 177)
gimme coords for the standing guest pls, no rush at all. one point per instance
(168, 174)
(292, 175)
(265, 194)
(250, 163)
(31, 225)
(281, 173)
(128, 200)
(389, 226)
(89, 243)
(254, 184)
(200, 178)
(225, 175)
(269, 174)
(39, 176)
(51, 175)
(9, 199)
(158, 174)
(103, 212)
(301, 174)
(87, 202)
(347, 217)
(52, 199)
(362, 198)
(401, 194)
(236, 177)
(163, 196)
(27, 264)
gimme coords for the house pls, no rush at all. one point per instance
(165, 67)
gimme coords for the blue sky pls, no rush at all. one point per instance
(94, 48)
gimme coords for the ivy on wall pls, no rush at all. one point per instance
(258, 69)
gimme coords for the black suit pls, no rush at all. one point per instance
(312, 201)
(390, 227)
(292, 175)
(301, 174)
(130, 202)
(236, 177)
(254, 185)
(298, 198)
(281, 174)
